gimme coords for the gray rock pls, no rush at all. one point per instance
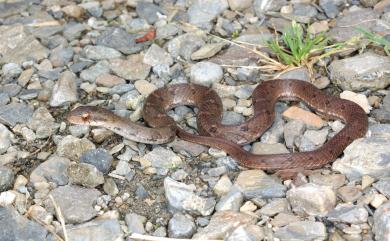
(361, 72)
(167, 31)
(79, 66)
(206, 73)
(261, 6)
(42, 123)
(231, 201)
(367, 156)
(123, 168)
(181, 197)
(184, 45)
(85, 175)
(73, 30)
(304, 144)
(93, 8)
(6, 178)
(157, 56)
(97, 230)
(274, 207)
(312, 199)
(15, 113)
(302, 230)
(11, 89)
(99, 157)
(137, 25)
(383, 186)
(348, 213)
(110, 187)
(65, 90)
(61, 56)
(10, 8)
(292, 130)
(148, 11)
(73, 147)
(130, 69)
(207, 51)
(231, 118)
(244, 92)
(11, 70)
(300, 74)
(181, 226)
(331, 7)
(222, 223)
(120, 40)
(381, 227)
(202, 12)
(52, 170)
(259, 148)
(162, 158)
(303, 13)
(192, 148)
(17, 227)
(317, 137)
(255, 183)
(349, 193)
(246, 233)
(386, 102)
(333, 180)
(4, 98)
(100, 52)
(5, 138)
(16, 46)
(76, 203)
(135, 223)
(90, 74)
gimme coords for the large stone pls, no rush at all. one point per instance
(52, 170)
(96, 230)
(202, 12)
(381, 227)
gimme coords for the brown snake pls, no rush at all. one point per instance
(230, 137)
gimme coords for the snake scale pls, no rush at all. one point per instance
(229, 138)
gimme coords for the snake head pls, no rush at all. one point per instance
(82, 115)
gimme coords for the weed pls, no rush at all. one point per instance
(375, 39)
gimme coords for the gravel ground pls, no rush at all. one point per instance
(58, 54)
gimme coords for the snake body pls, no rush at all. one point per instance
(230, 137)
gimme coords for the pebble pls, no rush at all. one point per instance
(248, 207)
(42, 123)
(181, 197)
(309, 118)
(100, 158)
(333, 180)
(157, 56)
(123, 168)
(259, 148)
(11, 70)
(206, 73)
(381, 227)
(207, 51)
(119, 39)
(109, 80)
(39, 213)
(92, 73)
(278, 205)
(283, 219)
(130, 69)
(349, 193)
(60, 56)
(255, 183)
(7, 198)
(15, 113)
(181, 226)
(73, 31)
(52, 170)
(144, 87)
(292, 130)
(247, 233)
(383, 186)
(148, 11)
(302, 230)
(76, 203)
(201, 18)
(65, 90)
(72, 147)
(73, 11)
(378, 200)
(85, 175)
(5, 138)
(223, 186)
(162, 158)
(100, 52)
(231, 118)
(110, 187)
(317, 137)
(359, 99)
(231, 201)
(97, 229)
(312, 199)
(348, 213)
(135, 223)
(361, 72)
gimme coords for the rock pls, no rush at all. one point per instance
(99, 157)
(359, 99)
(181, 226)
(192, 148)
(135, 223)
(162, 158)
(238, 5)
(223, 186)
(317, 137)
(85, 175)
(322, 82)
(76, 203)
(72, 147)
(15, 113)
(93, 8)
(61, 56)
(130, 69)
(73, 11)
(52, 170)
(259, 148)
(206, 73)
(65, 90)
(231, 118)
(367, 156)
(302, 230)
(7, 198)
(222, 223)
(202, 12)
(247, 233)
(17, 227)
(316, 28)
(231, 201)
(282, 219)
(39, 213)
(42, 123)
(120, 40)
(207, 51)
(300, 74)
(333, 180)
(181, 197)
(348, 213)
(381, 227)
(16, 46)
(110, 187)
(312, 199)
(255, 183)
(11, 70)
(157, 56)
(123, 168)
(93, 72)
(144, 87)
(366, 71)
(97, 230)
(383, 186)
(149, 11)
(109, 80)
(184, 45)
(5, 138)
(349, 193)
(331, 7)
(11, 8)
(274, 207)
(100, 52)
(309, 118)
(73, 31)
(292, 130)
(6, 178)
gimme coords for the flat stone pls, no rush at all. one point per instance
(292, 130)
(381, 227)
(85, 175)
(202, 12)
(283, 219)
(100, 52)
(6, 137)
(317, 137)
(186, 44)
(6, 178)
(15, 113)
(302, 230)
(348, 213)
(274, 207)
(157, 56)
(120, 40)
(162, 158)
(181, 226)
(222, 223)
(206, 73)
(135, 223)
(349, 193)
(309, 118)
(61, 56)
(231, 201)
(52, 170)
(99, 157)
(246, 233)
(333, 180)
(65, 90)
(97, 230)
(207, 51)
(130, 69)
(259, 148)
(149, 11)
(383, 186)
(255, 183)
(76, 203)
(73, 147)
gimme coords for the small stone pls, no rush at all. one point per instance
(381, 227)
(359, 99)
(201, 18)
(39, 213)
(231, 201)
(131, 69)
(206, 73)
(5, 138)
(248, 207)
(61, 56)
(123, 168)
(367, 181)
(349, 193)
(144, 87)
(297, 73)
(104, 229)
(52, 170)
(85, 175)
(274, 207)
(157, 56)
(302, 230)
(110, 187)
(73, 147)
(333, 180)
(99, 157)
(247, 233)
(378, 200)
(231, 118)
(181, 226)
(348, 213)
(223, 186)
(163, 158)
(7, 198)
(292, 130)
(109, 80)
(73, 11)
(282, 219)
(322, 82)
(259, 148)
(317, 137)
(318, 27)
(100, 52)
(307, 117)
(312, 199)
(149, 11)
(207, 51)
(383, 186)
(135, 223)
(15, 113)
(65, 90)
(11, 70)
(93, 72)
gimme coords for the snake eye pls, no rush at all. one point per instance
(85, 116)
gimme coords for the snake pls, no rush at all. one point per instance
(163, 129)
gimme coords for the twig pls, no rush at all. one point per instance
(60, 217)
(153, 238)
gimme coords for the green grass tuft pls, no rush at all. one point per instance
(375, 39)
